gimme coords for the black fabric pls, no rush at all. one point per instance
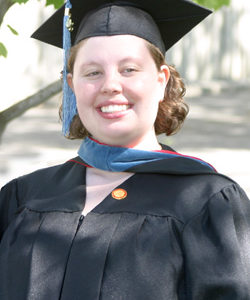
(174, 18)
(172, 237)
(117, 20)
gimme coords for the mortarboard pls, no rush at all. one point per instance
(161, 22)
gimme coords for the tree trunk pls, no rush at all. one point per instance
(21, 107)
(5, 5)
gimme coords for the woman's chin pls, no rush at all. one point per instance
(128, 140)
(114, 140)
(114, 135)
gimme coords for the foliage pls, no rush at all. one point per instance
(213, 4)
(55, 3)
(12, 30)
(3, 50)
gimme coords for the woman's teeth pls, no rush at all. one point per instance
(114, 108)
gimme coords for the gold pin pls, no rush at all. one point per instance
(69, 24)
(119, 194)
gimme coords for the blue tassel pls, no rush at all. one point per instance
(69, 100)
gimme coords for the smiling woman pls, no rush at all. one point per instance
(128, 218)
(118, 90)
(172, 109)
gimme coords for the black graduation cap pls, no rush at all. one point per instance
(174, 18)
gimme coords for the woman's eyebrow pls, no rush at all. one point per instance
(130, 58)
(88, 64)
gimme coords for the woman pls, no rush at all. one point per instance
(125, 219)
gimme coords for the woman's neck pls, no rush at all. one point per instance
(148, 143)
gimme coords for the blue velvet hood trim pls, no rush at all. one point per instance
(119, 159)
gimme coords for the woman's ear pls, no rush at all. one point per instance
(163, 78)
(164, 75)
(70, 81)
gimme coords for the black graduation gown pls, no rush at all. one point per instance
(182, 232)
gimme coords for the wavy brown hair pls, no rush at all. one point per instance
(172, 110)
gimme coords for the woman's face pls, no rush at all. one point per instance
(118, 89)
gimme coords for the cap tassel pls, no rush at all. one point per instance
(69, 100)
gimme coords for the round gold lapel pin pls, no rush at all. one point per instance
(119, 194)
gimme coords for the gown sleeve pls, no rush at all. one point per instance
(216, 245)
(8, 205)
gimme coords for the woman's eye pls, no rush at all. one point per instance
(129, 70)
(92, 74)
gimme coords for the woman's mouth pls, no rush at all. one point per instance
(114, 111)
(114, 108)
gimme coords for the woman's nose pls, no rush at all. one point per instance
(111, 83)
